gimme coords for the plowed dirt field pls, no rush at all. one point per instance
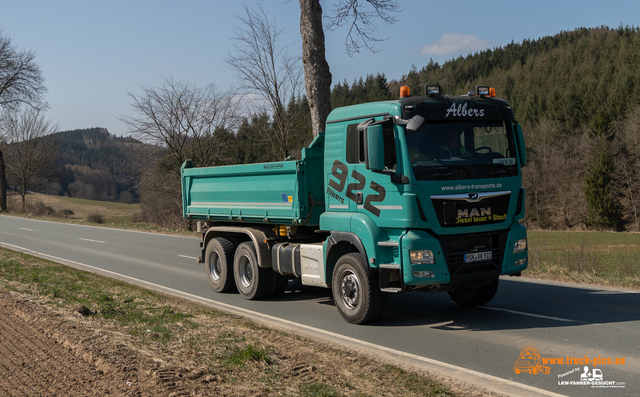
(43, 354)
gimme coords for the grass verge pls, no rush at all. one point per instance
(240, 353)
(602, 258)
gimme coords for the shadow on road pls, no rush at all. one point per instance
(517, 305)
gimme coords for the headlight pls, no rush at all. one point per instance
(520, 246)
(421, 257)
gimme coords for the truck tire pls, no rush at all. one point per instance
(218, 263)
(356, 291)
(475, 296)
(253, 282)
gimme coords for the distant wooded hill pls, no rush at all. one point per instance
(94, 164)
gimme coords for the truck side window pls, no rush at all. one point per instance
(355, 144)
(389, 146)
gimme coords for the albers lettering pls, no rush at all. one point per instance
(462, 111)
(335, 195)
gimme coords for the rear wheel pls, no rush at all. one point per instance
(218, 262)
(475, 296)
(253, 282)
(356, 291)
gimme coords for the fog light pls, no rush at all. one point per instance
(424, 274)
(421, 257)
(521, 262)
(520, 246)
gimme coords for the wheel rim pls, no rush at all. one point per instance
(350, 289)
(215, 267)
(245, 271)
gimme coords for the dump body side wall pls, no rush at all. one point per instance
(261, 193)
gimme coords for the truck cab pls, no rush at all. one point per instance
(430, 186)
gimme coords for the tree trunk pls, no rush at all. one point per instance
(317, 76)
(3, 186)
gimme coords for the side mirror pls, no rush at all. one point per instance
(415, 123)
(374, 148)
(522, 150)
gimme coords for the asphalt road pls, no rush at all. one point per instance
(479, 345)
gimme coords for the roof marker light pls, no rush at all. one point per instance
(405, 91)
(432, 90)
(482, 90)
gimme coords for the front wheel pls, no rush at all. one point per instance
(475, 296)
(356, 290)
(253, 282)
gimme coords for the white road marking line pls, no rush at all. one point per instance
(566, 320)
(24, 228)
(188, 257)
(277, 320)
(93, 241)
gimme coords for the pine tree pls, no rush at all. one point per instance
(603, 209)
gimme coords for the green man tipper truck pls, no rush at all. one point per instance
(423, 193)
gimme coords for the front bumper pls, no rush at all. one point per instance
(450, 271)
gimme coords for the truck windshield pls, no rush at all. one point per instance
(462, 150)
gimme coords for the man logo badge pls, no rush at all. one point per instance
(473, 196)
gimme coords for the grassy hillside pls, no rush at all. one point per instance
(601, 258)
(75, 209)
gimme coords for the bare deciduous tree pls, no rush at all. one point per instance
(266, 70)
(191, 122)
(185, 118)
(21, 82)
(30, 148)
(361, 34)
(360, 19)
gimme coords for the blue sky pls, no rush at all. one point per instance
(92, 53)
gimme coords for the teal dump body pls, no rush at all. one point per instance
(286, 192)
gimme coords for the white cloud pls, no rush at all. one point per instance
(455, 43)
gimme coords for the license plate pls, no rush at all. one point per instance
(477, 257)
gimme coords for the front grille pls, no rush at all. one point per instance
(471, 209)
